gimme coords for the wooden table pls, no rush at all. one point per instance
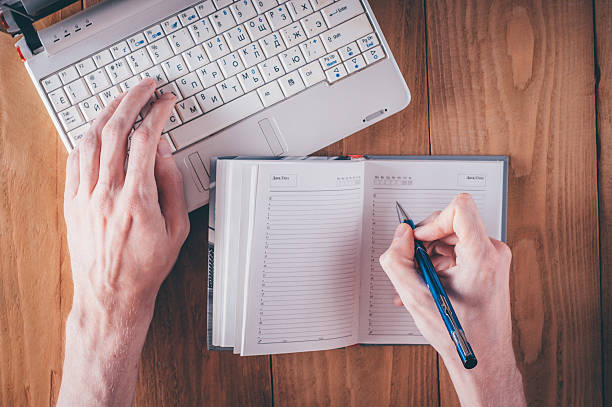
(533, 81)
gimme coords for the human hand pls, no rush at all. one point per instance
(474, 270)
(125, 228)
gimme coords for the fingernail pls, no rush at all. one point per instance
(167, 96)
(163, 148)
(147, 82)
(401, 230)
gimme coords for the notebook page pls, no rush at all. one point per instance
(303, 279)
(421, 187)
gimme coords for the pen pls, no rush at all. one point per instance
(439, 295)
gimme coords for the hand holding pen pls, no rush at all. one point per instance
(474, 271)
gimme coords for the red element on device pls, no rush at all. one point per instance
(20, 54)
(3, 22)
(356, 155)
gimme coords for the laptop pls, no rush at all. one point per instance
(252, 77)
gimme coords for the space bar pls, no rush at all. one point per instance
(216, 120)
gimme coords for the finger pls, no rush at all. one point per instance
(429, 219)
(171, 195)
(442, 248)
(398, 263)
(397, 301)
(115, 133)
(460, 217)
(143, 148)
(72, 175)
(89, 148)
(442, 263)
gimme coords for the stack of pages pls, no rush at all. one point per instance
(295, 243)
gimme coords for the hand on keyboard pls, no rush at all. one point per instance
(125, 227)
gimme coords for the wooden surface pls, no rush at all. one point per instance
(532, 80)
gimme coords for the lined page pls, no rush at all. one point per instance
(421, 187)
(304, 272)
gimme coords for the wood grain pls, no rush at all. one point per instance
(603, 52)
(374, 375)
(517, 78)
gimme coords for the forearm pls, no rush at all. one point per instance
(495, 381)
(102, 354)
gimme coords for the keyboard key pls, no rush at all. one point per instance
(272, 44)
(120, 50)
(188, 109)
(243, 10)
(171, 25)
(156, 74)
(258, 27)
(70, 118)
(252, 54)
(330, 60)
(188, 16)
(97, 81)
(314, 24)
(291, 83)
(201, 30)
(139, 61)
(209, 99)
(90, 108)
(173, 122)
(293, 34)
(195, 58)
(59, 100)
(51, 83)
(216, 120)
(250, 79)
(189, 85)
(68, 75)
(292, 59)
(210, 74)
(270, 93)
(154, 33)
(341, 11)
(374, 55)
(237, 37)
(77, 134)
(169, 88)
(76, 91)
(319, 4)
(109, 95)
(118, 71)
(160, 51)
(271, 69)
(367, 42)
(264, 5)
(86, 66)
(103, 58)
(205, 8)
(312, 49)
(230, 89)
(181, 40)
(129, 83)
(222, 20)
(231, 64)
(338, 72)
(299, 8)
(348, 51)
(278, 17)
(216, 47)
(312, 73)
(174, 68)
(355, 64)
(222, 3)
(346, 32)
(137, 41)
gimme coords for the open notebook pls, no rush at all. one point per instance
(294, 245)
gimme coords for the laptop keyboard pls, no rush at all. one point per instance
(224, 60)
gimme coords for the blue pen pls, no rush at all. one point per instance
(439, 295)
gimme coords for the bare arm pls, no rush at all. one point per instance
(474, 270)
(125, 230)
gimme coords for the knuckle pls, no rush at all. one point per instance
(113, 129)
(387, 259)
(504, 251)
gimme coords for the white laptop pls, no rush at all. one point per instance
(252, 77)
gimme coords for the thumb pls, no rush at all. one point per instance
(398, 263)
(171, 196)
